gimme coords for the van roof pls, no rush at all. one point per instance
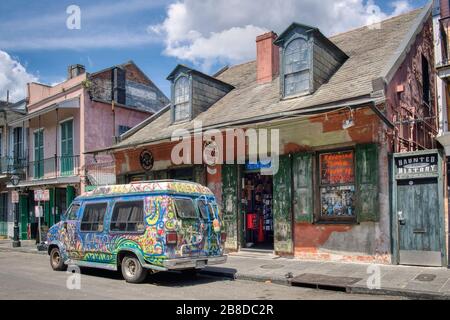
(148, 187)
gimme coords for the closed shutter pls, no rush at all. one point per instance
(367, 206)
(282, 206)
(230, 204)
(303, 187)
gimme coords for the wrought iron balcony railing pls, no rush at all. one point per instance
(55, 167)
(12, 165)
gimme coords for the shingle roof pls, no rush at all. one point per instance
(369, 51)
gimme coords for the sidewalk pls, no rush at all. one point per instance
(412, 282)
(27, 246)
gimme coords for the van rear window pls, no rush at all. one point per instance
(185, 208)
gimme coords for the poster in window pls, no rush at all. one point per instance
(338, 201)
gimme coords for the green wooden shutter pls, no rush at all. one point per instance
(70, 196)
(282, 206)
(367, 206)
(230, 204)
(39, 154)
(303, 187)
(67, 148)
(23, 216)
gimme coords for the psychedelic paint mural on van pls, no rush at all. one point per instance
(159, 231)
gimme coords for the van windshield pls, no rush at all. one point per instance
(185, 208)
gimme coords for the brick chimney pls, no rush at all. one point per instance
(267, 57)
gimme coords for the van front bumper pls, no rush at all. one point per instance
(193, 262)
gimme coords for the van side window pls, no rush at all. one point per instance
(72, 213)
(206, 210)
(128, 217)
(93, 217)
(185, 208)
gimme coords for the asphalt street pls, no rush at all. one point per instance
(29, 276)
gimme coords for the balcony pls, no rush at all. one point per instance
(51, 168)
(10, 166)
(55, 170)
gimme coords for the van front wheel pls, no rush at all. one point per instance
(56, 261)
(132, 270)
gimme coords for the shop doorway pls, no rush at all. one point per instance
(257, 208)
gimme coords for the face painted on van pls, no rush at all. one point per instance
(166, 225)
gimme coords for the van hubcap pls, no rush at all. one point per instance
(56, 258)
(130, 268)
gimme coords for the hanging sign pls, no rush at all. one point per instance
(41, 195)
(417, 165)
(15, 197)
(146, 160)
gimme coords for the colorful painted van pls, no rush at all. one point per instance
(156, 226)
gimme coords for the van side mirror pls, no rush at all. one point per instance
(65, 225)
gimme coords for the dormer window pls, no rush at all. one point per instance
(296, 68)
(308, 60)
(181, 109)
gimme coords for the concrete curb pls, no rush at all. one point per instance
(413, 294)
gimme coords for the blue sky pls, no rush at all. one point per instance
(158, 34)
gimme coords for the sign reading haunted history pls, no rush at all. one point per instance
(417, 165)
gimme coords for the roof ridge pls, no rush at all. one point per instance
(372, 24)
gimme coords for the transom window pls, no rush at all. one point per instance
(128, 217)
(181, 103)
(337, 185)
(296, 67)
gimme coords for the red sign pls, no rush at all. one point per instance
(337, 168)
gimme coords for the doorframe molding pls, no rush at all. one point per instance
(395, 235)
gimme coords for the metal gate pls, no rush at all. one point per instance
(418, 219)
(3, 215)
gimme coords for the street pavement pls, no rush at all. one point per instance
(24, 275)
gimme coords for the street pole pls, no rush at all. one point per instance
(16, 242)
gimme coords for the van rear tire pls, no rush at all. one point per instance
(132, 270)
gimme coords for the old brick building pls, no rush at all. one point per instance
(341, 106)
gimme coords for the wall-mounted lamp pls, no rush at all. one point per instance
(348, 123)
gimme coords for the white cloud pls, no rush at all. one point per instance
(13, 77)
(206, 32)
(401, 6)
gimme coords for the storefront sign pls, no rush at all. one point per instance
(257, 166)
(417, 165)
(146, 160)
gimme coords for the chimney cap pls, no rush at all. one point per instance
(267, 35)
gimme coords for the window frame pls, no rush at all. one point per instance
(306, 69)
(186, 103)
(104, 218)
(321, 219)
(127, 232)
(196, 210)
(212, 213)
(66, 214)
